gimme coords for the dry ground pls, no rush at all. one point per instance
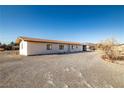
(66, 70)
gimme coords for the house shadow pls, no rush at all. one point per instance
(63, 53)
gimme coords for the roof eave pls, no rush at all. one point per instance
(18, 40)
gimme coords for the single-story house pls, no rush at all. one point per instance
(35, 46)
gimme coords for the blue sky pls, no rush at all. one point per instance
(70, 23)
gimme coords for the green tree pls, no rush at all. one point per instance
(12, 43)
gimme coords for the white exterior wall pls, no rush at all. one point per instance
(32, 48)
(41, 48)
(79, 48)
(23, 48)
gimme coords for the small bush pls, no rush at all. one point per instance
(110, 49)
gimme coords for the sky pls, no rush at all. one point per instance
(68, 23)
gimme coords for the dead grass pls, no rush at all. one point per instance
(8, 56)
(110, 50)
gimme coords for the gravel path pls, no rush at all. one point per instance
(66, 70)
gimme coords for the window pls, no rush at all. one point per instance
(49, 46)
(61, 47)
(72, 46)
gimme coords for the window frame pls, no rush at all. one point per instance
(49, 46)
(72, 47)
(61, 46)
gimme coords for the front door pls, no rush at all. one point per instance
(68, 48)
(84, 47)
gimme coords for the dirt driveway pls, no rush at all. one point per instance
(67, 70)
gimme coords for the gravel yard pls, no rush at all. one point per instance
(63, 70)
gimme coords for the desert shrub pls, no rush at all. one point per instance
(110, 49)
